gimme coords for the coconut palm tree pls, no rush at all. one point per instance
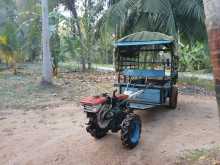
(83, 27)
(47, 63)
(212, 8)
(76, 29)
(185, 17)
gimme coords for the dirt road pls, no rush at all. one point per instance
(57, 136)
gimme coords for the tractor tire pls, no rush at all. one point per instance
(131, 130)
(96, 132)
(173, 98)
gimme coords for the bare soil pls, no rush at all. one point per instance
(57, 135)
(45, 125)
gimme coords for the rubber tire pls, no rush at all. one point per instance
(173, 98)
(97, 132)
(126, 130)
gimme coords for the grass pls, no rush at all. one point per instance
(23, 91)
(200, 157)
(104, 65)
(197, 154)
(73, 66)
(206, 84)
(69, 66)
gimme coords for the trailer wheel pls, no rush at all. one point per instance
(173, 98)
(131, 130)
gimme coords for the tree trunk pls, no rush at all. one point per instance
(212, 8)
(71, 5)
(47, 63)
(83, 64)
(89, 63)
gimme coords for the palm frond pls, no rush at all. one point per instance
(167, 16)
(191, 8)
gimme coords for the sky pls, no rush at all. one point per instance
(66, 13)
(62, 10)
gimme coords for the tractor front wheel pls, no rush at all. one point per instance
(96, 131)
(131, 130)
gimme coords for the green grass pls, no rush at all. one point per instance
(200, 156)
(197, 154)
(104, 65)
(18, 91)
(207, 84)
(72, 65)
(69, 66)
(24, 91)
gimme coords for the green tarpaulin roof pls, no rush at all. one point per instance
(146, 36)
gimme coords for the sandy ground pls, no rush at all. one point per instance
(57, 136)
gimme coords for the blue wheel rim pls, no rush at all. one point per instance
(135, 132)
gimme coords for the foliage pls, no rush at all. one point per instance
(30, 24)
(20, 38)
(87, 37)
(194, 58)
(83, 31)
(173, 17)
(105, 47)
(11, 35)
